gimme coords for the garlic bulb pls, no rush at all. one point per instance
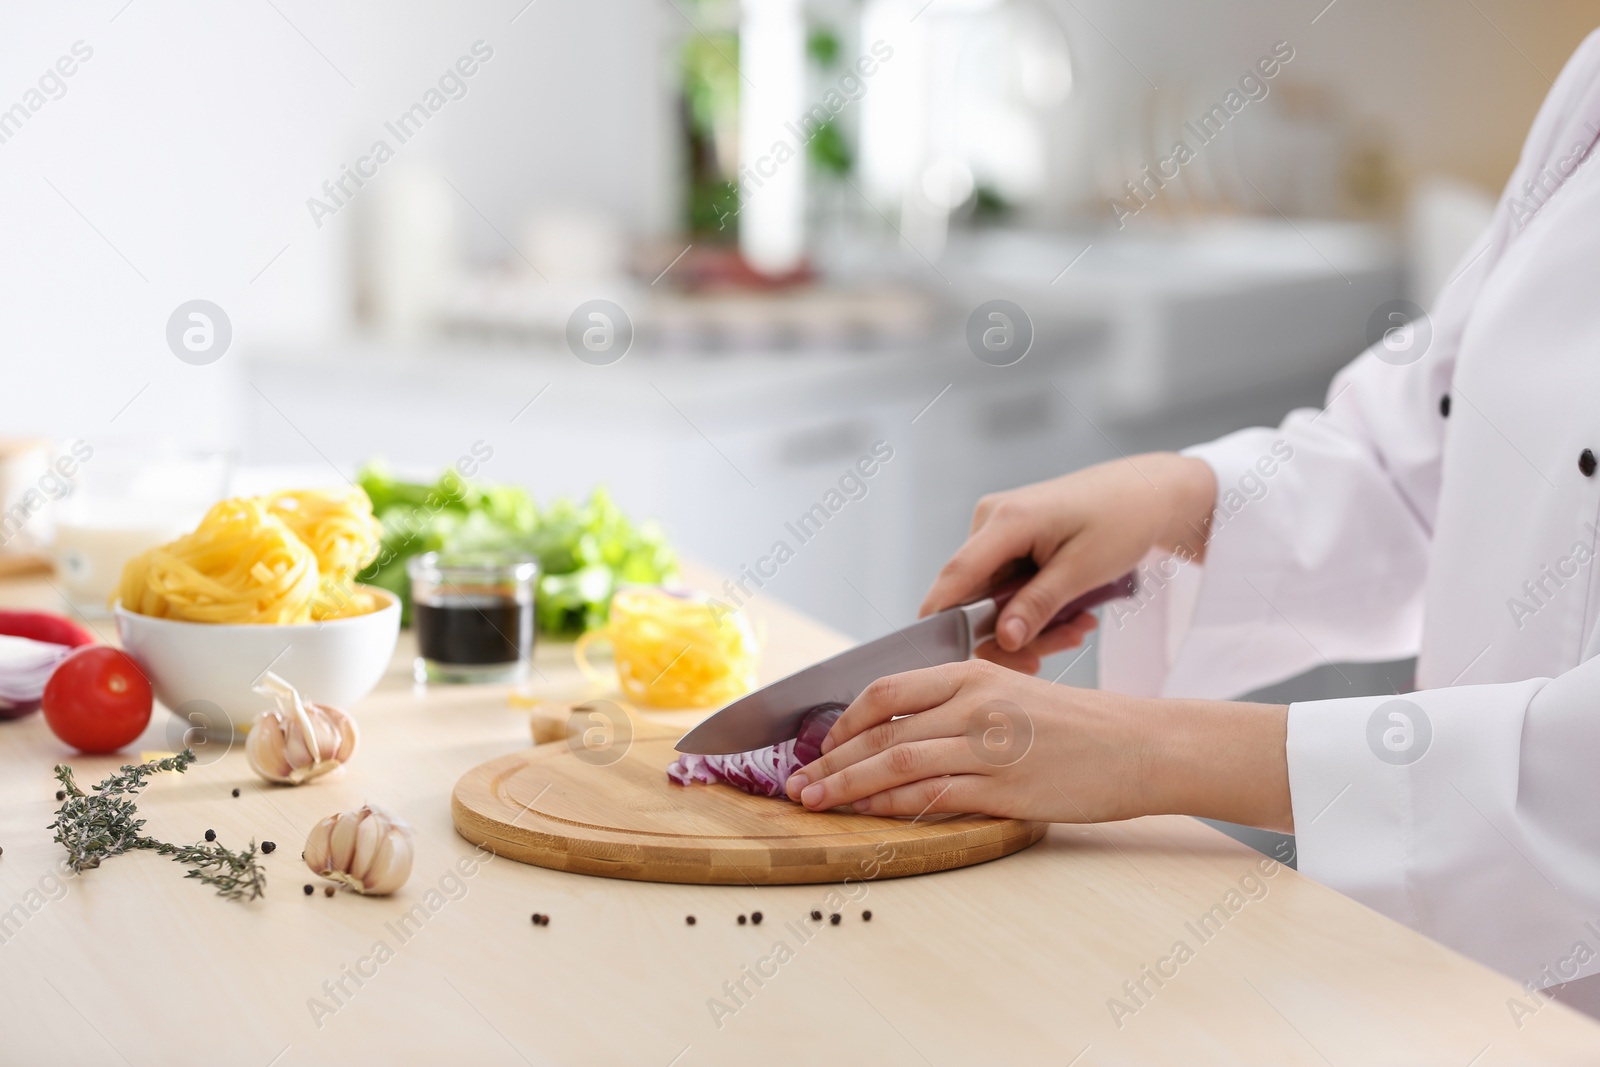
(367, 850)
(297, 741)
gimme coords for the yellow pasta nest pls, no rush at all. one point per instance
(337, 525)
(281, 559)
(675, 651)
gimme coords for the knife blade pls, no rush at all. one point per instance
(772, 714)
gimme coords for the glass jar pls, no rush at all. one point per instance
(472, 613)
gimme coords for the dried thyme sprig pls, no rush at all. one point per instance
(98, 825)
(235, 874)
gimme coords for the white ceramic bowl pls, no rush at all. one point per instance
(196, 667)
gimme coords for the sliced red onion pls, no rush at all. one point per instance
(764, 770)
(25, 666)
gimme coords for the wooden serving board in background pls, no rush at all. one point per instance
(23, 564)
(549, 807)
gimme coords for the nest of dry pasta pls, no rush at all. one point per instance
(285, 558)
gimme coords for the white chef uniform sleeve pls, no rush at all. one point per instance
(1318, 548)
(1471, 814)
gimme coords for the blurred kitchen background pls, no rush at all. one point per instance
(786, 313)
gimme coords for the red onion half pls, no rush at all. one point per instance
(764, 770)
(25, 665)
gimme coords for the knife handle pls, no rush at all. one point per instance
(1125, 586)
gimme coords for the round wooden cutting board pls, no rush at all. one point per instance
(552, 807)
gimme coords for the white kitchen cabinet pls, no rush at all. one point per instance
(724, 451)
(1199, 310)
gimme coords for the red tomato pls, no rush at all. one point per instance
(98, 700)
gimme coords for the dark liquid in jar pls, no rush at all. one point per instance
(473, 628)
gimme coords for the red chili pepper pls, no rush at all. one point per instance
(43, 626)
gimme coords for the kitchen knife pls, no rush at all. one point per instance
(772, 714)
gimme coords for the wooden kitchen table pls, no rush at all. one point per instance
(1065, 953)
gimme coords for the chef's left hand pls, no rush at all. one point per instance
(976, 737)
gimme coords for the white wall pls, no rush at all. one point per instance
(1453, 86)
(192, 137)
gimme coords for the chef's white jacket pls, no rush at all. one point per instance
(1443, 503)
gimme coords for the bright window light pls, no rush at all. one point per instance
(772, 167)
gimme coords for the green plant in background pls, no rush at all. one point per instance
(710, 71)
(584, 550)
(710, 102)
(822, 45)
(828, 149)
(989, 205)
(829, 152)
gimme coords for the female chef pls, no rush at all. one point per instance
(1442, 503)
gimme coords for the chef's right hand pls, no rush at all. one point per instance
(1082, 530)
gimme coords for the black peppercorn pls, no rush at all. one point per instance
(235, 792)
(535, 918)
(816, 916)
(755, 917)
(741, 920)
(269, 846)
(61, 794)
(3, 852)
(309, 890)
(689, 919)
(211, 835)
(834, 918)
(866, 916)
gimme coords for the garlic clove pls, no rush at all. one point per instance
(263, 747)
(318, 845)
(329, 736)
(316, 737)
(369, 834)
(348, 734)
(342, 842)
(391, 866)
(298, 748)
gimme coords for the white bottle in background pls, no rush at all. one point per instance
(95, 537)
(23, 527)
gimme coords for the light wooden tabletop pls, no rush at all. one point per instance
(1066, 953)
